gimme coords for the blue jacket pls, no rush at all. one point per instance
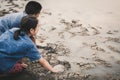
(10, 20)
(13, 50)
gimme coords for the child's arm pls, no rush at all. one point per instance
(47, 65)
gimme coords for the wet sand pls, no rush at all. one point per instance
(81, 37)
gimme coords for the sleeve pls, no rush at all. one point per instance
(33, 53)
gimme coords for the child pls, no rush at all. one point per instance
(16, 44)
(13, 20)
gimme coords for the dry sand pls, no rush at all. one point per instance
(81, 37)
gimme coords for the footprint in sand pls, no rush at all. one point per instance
(85, 66)
(77, 76)
(58, 48)
(116, 39)
(112, 32)
(74, 28)
(94, 46)
(114, 49)
(109, 32)
(101, 62)
(92, 30)
(71, 24)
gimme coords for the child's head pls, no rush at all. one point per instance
(33, 8)
(29, 25)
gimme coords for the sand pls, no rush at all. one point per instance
(80, 37)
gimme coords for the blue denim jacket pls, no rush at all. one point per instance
(10, 20)
(13, 50)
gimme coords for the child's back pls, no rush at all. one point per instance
(10, 20)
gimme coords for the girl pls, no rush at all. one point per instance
(16, 44)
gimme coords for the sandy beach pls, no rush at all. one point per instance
(80, 37)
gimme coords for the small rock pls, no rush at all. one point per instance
(59, 68)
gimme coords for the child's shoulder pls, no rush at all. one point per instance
(14, 29)
(12, 15)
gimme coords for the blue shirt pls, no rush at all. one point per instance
(10, 20)
(13, 50)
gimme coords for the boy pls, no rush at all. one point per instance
(13, 20)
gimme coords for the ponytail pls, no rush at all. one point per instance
(18, 33)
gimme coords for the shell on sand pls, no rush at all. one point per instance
(59, 68)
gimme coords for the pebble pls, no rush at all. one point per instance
(59, 68)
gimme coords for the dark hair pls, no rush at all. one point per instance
(33, 7)
(26, 24)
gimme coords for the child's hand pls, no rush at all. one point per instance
(55, 71)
